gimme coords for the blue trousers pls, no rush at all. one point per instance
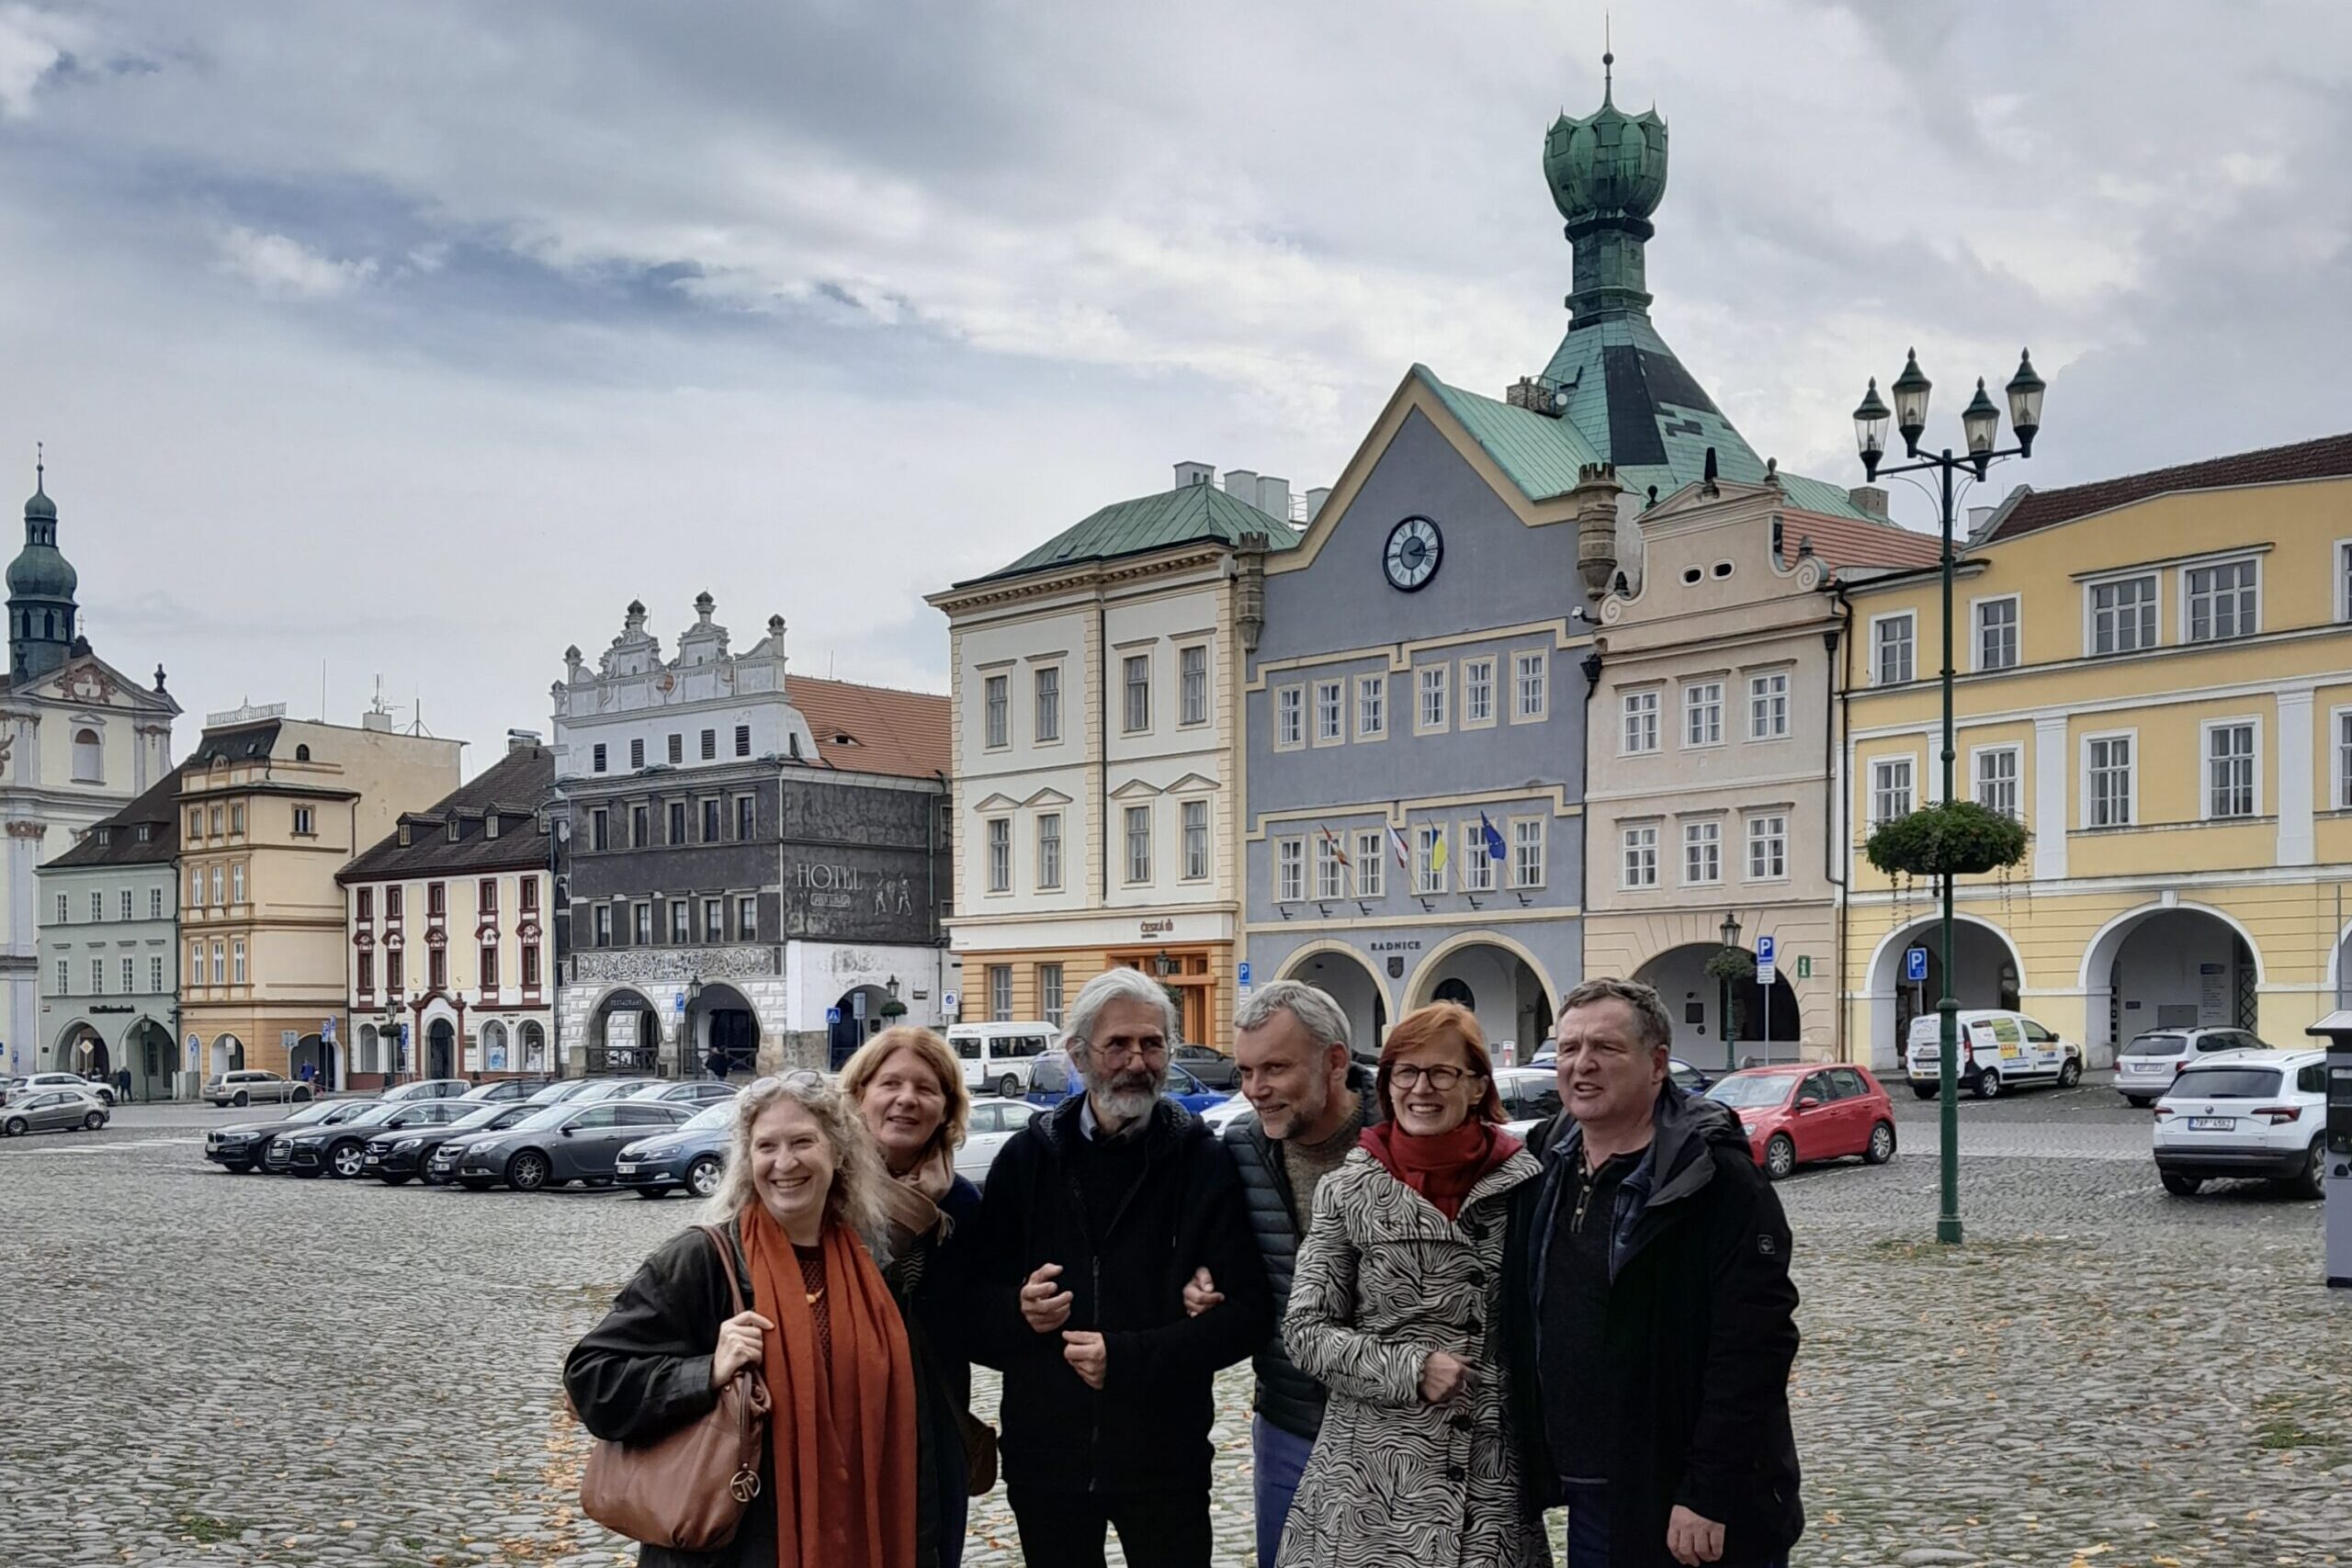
(1588, 1530)
(1277, 1459)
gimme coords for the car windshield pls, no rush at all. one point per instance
(375, 1114)
(2157, 1045)
(2225, 1083)
(1743, 1092)
(317, 1111)
(545, 1116)
(710, 1118)
(551, 1094)
(485, 1117)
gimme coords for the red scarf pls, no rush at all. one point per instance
(843, 1434)
(1444, 1166)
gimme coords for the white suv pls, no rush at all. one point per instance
(2153, 1060)
(2245, 1113)
(1999, 1050)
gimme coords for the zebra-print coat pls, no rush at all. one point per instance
(1383, 1279)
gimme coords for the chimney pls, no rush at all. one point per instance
(380, 722)
(1870, 498)
(1274, 497)
(1250, 588)
(1596, 509)
(522, 739)
(1243, 485)
(1188, 474)
(1315, 499)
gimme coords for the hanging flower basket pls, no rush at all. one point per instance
(1958, 837)
(1736, 965)
(894, 1008)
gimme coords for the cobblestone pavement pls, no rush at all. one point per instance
(208, 1369)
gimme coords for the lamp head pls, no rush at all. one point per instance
(2025, 390)
(1869, 429)
(1980, 422)
(1910, 391)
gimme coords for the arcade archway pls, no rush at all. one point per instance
(624, 1034)
(1500, 982)
(1351, 983)
(228, 1055)
(1986, 973)
(82, 1049)
(1765, 1025)
(720, 1021)
(2181, 967)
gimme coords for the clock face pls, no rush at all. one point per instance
(1414, 550)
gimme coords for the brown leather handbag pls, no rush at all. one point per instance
(686, 1491)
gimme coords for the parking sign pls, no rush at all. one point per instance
(1767, 955)
(1915, 963)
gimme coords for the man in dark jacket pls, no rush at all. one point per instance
(1095, 1217)
(1647, 1290)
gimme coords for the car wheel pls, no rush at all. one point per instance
(2070, 1072)
(241, 1099)
(16, 1127)
(2141, 1101)
(653, 1192)
(1780, 1157)
(527, 1172)
(1882, 1148)
(302, 1097)
(94, 1121)
(1009, 1087)
(2312, 1181)
(702, 1177)
(347, 1160)
(2180, 1186)
(1987, 1085)
(1924, 1091)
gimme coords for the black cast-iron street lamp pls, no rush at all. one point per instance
(1980, 424)
(1730, 934)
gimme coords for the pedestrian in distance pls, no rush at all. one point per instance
(801, 1205)
(122, 1084)
(1093, 1221)
(1651, 1309)
(1394, 1310)
(909, 1088)
(716, 1064)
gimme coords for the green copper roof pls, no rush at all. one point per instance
(1180, 516)
(1541, 453)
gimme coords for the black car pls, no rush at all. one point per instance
(342, 1149)
(564, 1143)
(1211, 1065)
(397, 1154)
(240, 1147)
(502, 1089)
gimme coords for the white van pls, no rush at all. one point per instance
(997, 1056)
(1999, 1050)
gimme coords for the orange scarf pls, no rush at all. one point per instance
(843, 1434)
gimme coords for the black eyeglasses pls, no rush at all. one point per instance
(1406, 1075)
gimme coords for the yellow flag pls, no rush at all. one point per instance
(1437, 852)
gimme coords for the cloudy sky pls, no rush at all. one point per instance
(415, 339)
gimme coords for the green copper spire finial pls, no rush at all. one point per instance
(1607, 171)
(1608, 64)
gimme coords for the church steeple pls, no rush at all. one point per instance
(1607, 173)
(41, 582)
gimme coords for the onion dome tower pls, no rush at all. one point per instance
(41, 593)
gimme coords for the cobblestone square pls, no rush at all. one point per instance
(213, 1369)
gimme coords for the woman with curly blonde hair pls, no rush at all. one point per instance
(803, 1198)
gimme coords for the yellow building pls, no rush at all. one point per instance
(2155, 673)
(270, 810)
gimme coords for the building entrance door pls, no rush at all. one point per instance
(440, 1050)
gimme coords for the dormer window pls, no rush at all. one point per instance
(451, 828)
(105, 835)
(489, 824)
(146, 833)
(403, 835)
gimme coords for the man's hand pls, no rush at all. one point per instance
(1088, 1356)
(1044, 1308)
(1444, 1378)
(1692, 1539)
(1201, 1294)
(741, 1343)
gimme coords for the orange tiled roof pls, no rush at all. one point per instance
(1843, 543)
(875, 729)
(2330, 457)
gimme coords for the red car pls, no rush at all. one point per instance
(1796, 1114)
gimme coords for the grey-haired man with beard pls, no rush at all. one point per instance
(1095, 1217)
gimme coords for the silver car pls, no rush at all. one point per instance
(248, 1085)
(53, 1110)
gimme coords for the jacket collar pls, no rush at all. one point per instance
(1674, 1166)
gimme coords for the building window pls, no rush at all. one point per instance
(2229, 771)
(1997, 633)
(1000, 854)
(195, 964)
(1703, 853)
(1889, 789)
(306, 822)
(597, 758)
(2221, 601)
(682, 922)
(1478, 691)
(1477, 864)
(195, 824)
(216, 822)
(641, 924)
(64, 916)
(64, 976)
(219, 895)
(393, 904)
(747, 917)
(1527, 836)
(742, 740)
(237, 883)
(97, 976)
(529, 889)
(1429, 710)
(1529, 678)
(677, 815)
(1136, 672)
(1290, 870)
(1768, 847)
(747, 818)
(1703, 714)
(155, 903)
(677, 750)
(1050, 852)
(1330, 712)
(436, 968)
(237, 962)
(1641, 722)
(125, 902)
(1139, 843)
(530, 966)
(599, 829)
(488, 967)
(1892, 640)
(2124, 614)
(1049, 993)
(637, 753)
(98, 905)
(1330, 863)
(236, 819)
(710, 745)
(1001, 993)
(366, 974)
(1290, 716)
(436, 900)
(641, 825)
(1372, 852)
(1429, 860)
(710, 834)
(1197, 841)
(1641, 856)
(486, 895)
(1049, 704)
(2344, 759)
(219, 965)
(1371, 706)
(2109, 788)
(997, 705)
(89, 758)
(155, 976)
(714, 920)
(604, 925)
(1195, 665)
(1997, 779)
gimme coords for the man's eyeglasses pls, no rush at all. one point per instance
(1406, 1074)
(1120, 1051)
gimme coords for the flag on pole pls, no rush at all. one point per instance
(1339, 852)
(1495, 850)
(1437, 852)
(1404, 850)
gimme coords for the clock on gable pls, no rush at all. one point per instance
(1415, 548)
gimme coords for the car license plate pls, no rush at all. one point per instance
(624, 1168)
(2212, 1123)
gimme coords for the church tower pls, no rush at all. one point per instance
(41, 593)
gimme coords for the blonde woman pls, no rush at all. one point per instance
(803, 1194)
(909, 1090)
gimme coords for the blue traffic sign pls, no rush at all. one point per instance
(1915, 963)
(1766, 953)
(1241, 972)
(832, 1015)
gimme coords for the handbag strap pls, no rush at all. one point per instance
(727, 1265)
(744, 1483)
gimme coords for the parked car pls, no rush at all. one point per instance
(1227, 1112)
(497, 1092)
(1051, 1081)
(690, 1092)
(2153, 1060)
(997, 1056)
(397, 1154)
(1211, 1065)
(556, 1093)
(33, 1082)
(249, 1085)
(574, 1142)
(241, 1145)
(993, 1124)
(2245, 1113)
(1796, 1114)
(1998, 1049)
(1531, 1097)
(612, 1088)
(428, 1089)
(53, 1110)
(692, 1156)
(341, 1149)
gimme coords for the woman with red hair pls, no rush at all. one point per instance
(1396, 1311)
